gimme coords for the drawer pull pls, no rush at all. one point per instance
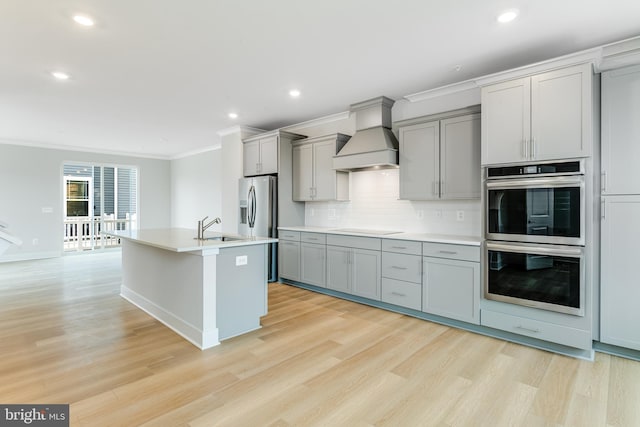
(522, 328)
(448, 252)
(398, 247)
(398, 267)
(398, 294)
(312, 238)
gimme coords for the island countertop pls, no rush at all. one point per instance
(183, 239)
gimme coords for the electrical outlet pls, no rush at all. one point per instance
(332, 214)
(313, 212)
(438, 213)
(460, 215)
(47, 210)
(420, 214)
(241, 260)
(35, 242)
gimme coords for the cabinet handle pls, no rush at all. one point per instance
(442, 188)
(524, 148)
(603, 182)
(522, 328)
(311, 192)
(433, 188)
(448, 252)
(312, 238)
(602, 209)
(398, 247)
(398, 294)
(398, 267)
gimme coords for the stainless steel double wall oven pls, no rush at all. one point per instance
(535, 235)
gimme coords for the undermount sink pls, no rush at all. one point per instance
(222, 238)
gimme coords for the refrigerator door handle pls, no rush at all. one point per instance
(252, 206)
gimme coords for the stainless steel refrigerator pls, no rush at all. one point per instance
(259, 214)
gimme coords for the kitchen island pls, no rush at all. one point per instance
(205, 290)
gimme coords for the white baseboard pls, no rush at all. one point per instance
(29, 256)
(199, 338)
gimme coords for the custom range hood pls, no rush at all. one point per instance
(373, 145)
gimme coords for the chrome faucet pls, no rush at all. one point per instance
(202, 226)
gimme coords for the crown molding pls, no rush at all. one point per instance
(217, 146)
(319, 121)
(619, 54)
(442, 91)
(64, 147)
(247, 130)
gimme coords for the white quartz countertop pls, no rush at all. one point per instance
(183, 239)
(391, 234)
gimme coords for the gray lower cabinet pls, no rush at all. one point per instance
(451, 282)
(289, 255)
(402, 273)
(619, 285)
(353, 265)
(313, 259)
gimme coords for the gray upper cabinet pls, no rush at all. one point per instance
(542, 117)
(440, 156)
(621, 131)
(260, 156)
(314, 178)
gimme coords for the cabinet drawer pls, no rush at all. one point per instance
(313, 238)
(354, 242)
(564, 335)
(402, 267)
(402, 293)
(402, 246)
(445, 250)
(289, 235)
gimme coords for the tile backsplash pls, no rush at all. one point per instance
(374, 204)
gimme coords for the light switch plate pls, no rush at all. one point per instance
(241, 260)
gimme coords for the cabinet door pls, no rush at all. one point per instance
(420, 161)
(289, 259)
(324, 175)
(506, 121)
(451, 288)
(313, 264)
(251, 158)
(339, 268)
(302, 173)
(621, 131)
(561, 114)
(269, 155)
(365, 280)
(460, 157)
(619, 284)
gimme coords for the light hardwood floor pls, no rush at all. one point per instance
(67, 337)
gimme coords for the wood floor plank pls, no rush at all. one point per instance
(66, 336)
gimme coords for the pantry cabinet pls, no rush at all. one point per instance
(314, 178)
(621, 131)
(620, 292)
(546, 116)
(440, 156)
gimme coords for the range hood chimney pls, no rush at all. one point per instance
(374, 145)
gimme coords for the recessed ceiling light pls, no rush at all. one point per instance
(294, 93)
(233, 115)
(60, 75)
(508, 16)
(83, 20)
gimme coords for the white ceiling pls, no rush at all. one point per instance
(158, 77)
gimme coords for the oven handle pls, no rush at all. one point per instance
(570, 251)
(558, 181)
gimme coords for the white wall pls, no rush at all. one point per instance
(196, 189)
(31, 179)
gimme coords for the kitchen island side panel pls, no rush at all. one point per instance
(169, 286)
